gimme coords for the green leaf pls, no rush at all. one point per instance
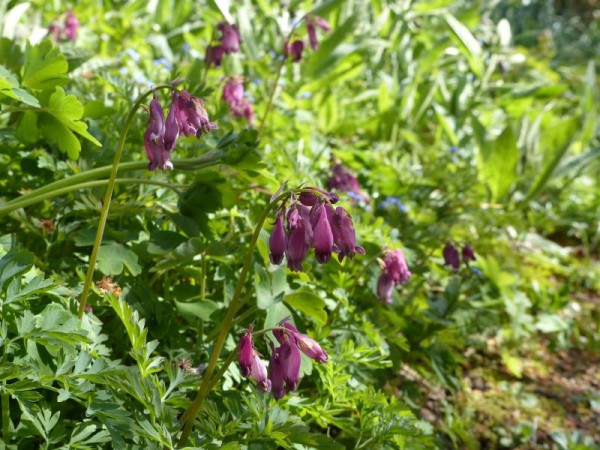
(497, 160)
(557, 136)
(269, 287)
(112, 257)
(466, 42)
(68, 110)
(45, 66)
(60, 135)
(309, 303)
(9, 86)
(200, 309)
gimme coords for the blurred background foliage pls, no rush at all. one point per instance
(471, 122)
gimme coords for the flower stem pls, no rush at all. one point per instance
(77, 181)
(271, 97)
(108, 195)
(5, 418)
(208, 382)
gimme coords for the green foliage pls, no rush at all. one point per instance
(464, 122)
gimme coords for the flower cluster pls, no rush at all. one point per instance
(344, 180)
(394, 271)
(70, 27)
(186, 116)
(296, 47)
(233, 95)
(230, 43)
(452, 257)
(312, 221)
(284, 364)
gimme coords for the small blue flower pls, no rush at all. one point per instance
(163, 62)
(306, 95)
(123, 71)
(185, 47)
(132, 53)
(476, 271)
(395, 201)
(453, 149)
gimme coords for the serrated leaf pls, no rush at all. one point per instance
(68, 110)
(45, 66)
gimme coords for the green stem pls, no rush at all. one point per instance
(59, 187)
(5, 418)
(208, 382)
(90, 184)
(108, 195)
(271, 97)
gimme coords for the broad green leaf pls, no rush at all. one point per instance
(466, 42)
(113, 257)
(497, 160)
(9, 86)
(68, 110)
(309, 303)
(45, 66)
(199, 309)
(59, 134)
(557, 136)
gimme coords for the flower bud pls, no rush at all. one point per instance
(246, 352)
(468, 254)
(277, 241)
(230, 37)
(322, 235)
(344, 235)
(451, 256)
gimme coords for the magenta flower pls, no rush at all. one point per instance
(293, 49)
(246, 352)
(468, 254)
(230, 37)
(71, 26)
(277, 373)
(344, 235)
(344, 180)
(310, 199)
(322, 234)
(154, 138)
(385, 288)
(258, 372)
(191, 115)
(451, 256)
(251, 364)
(214, 55)
(396, 267)
(395, 271)
(233, 95)
(311, 21)
(299, 236)
(277, 241)
(172, 124)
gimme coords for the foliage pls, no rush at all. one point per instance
(464, 123)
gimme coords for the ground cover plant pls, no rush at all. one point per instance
(303, 225)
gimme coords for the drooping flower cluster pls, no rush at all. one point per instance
(394, 272)
(284, 364)
(186, 116)
(312, 221)
(230, 43)
(70, 27)
(344, 180)
(452, 257)
(233, 95)
(296, 47)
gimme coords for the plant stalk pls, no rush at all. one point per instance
(108, 195)
(189, 416)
